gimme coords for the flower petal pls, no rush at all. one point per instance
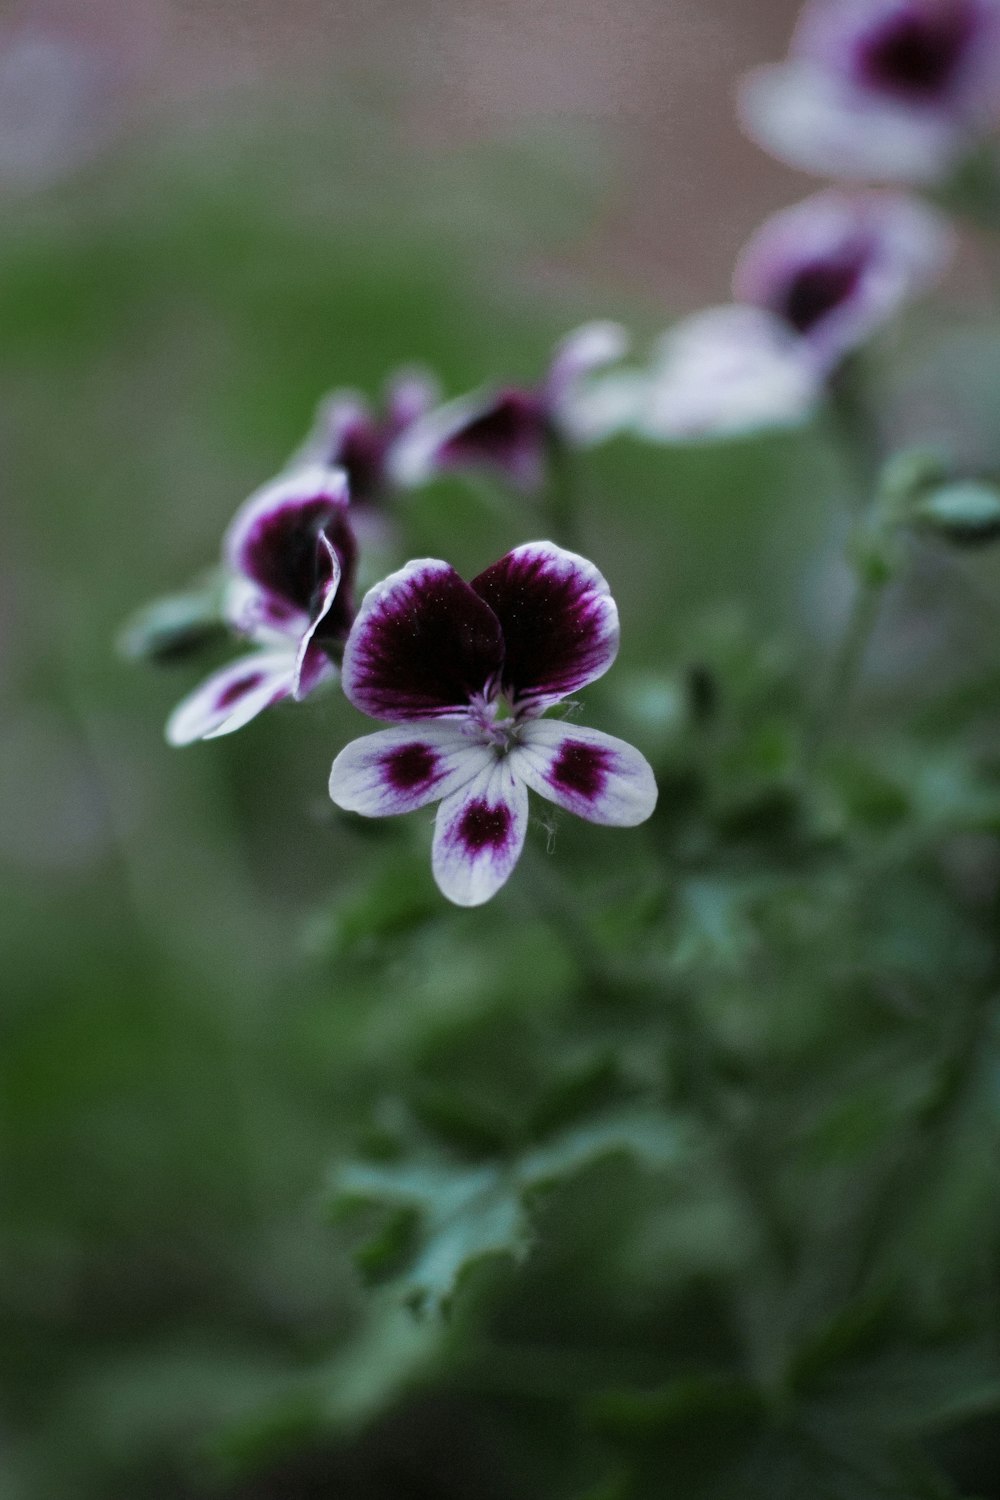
(232, 697)
(399, 769)
(804, 116)
(594, 775)
(479, 834)
(506, 431)
(423, 644)
(838, 265)
(272, 539)
(559, 621)
(727, 371)
(567, 387)
(311, 660)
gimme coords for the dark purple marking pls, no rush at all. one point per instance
(484, 827)
(511, 434)
(410, 766)
(555, 623)
(427, 647)
(281, 551)
(818, 288)
(360, 450)
(234, 691)
(918, 51)
(581, 769)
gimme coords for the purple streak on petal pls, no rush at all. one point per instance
(273, 539)
(479, 834)
(231, 697)
(509, 434)
(399, 769)
(594, 775)
(423, 644)
(560, 623)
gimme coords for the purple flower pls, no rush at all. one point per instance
(509, 430)
(350, 434)
(837, 266)
(880, 90)
(464, 672)
(291, 557)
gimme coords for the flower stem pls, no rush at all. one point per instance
(848, 662)
(561, 496)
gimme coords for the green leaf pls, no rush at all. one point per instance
(458, 1216)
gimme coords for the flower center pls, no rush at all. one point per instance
(498, 722)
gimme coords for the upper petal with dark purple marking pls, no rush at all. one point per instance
(424, 644)
(272, 541)
(559, 621)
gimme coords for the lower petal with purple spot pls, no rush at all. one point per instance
(232, 697)
(403, 768)
(479, 835)
(594, 775)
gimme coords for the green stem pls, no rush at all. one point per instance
(561, 497)
(849, 660)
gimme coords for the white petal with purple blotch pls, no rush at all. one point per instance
(594, 775)
(399, 769)
(838, 265)
(803, 116)
(232, 697)
(559, 622)
(479, 834)
(505, 431)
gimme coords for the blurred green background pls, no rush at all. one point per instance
(213, 984)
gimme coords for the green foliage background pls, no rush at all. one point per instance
(671, 1171)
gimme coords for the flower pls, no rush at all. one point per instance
(349, 434)
(727, 371)
(880, 90)
(464, 672)
(291, 556)
(812, 284)
(838, 265)
(510, 430)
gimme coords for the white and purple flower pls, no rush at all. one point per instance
(880, 90)
(350, 434)
(512, 431)
(464, 672)
(839, 265)
(815, 282)
(290, 553)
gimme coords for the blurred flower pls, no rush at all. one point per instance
(880, 90)
(839, 265)
(349, 434)
(56, 104)
(510, 430)
(291, 556)
(465, 672)
(727, 371)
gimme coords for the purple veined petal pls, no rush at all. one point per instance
(577, 358)
(272, 539)
(594, 775)
(727, 372)
(479, 834)
(312, 664)
(505, 431)
(820, 123)
(232, 697)
(838, 265)
(423, 644)
(559, 622)
(403, 768)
